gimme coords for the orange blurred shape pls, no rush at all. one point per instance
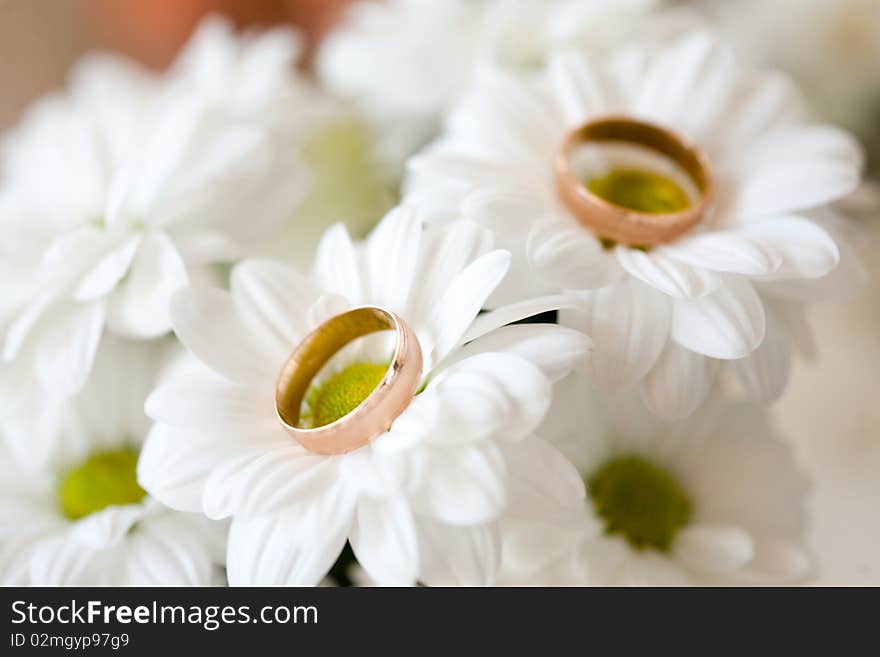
(154, 31)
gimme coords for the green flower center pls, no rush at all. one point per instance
(642, 502)
(642, 191)
(344, 391)
(104, 479)
(346, 179)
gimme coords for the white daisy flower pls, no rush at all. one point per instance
(407, 61)
(353, 176)
(419, 503)
(251, 74)
(113, 195)
(81, 518)
(713, 499)
(732, 288)
(831, 48)
(351, 180)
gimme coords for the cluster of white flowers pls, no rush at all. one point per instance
(171, 238)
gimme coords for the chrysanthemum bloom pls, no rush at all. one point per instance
(405, 62)
(832, 48)
(113, 195)
(729, 290)
(79, 517)
(712, 499)
(353, 176)
(419, 503)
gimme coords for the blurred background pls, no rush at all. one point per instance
(831, 410)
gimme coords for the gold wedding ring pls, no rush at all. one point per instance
(374, 415)
(618, 223)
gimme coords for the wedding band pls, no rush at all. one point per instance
(616, 222)
(374, 415)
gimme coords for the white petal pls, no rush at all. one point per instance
(462, 301)
(17, 556)
(629, 325)
(666, 274)
(555, 350)
(327, 306)
(733, 251)
(208, 323)
(489, 393)
(534, 552)
(576, 423)
(336, 265)
(843, 284)
(172, 549)
(688, 84)
(465, 407)
(458, 556)
(469, 170)
(500, 208)
(107, 527)
(109, 270)
(391, 258)
(793, 316)
(385, 543)
(678, 382)
(523, 124)
(543, 483)
(445, 251)
(795, 169)
(577, 86)
(174, 481)
(68, 347)
(204, 247)
(140, 306)
(212, 405)
(59, 561)
(763, 102)
(32, 430)
(806, 250)
(412, 427)
(79, 246)
(175, 464)
(780, 560)
(568, 256)
(765, 372)
(514, 312)
(727, 324)
(24, 323)
(266, 482)
(714, 548)
(467, 485)
(276, 294)
(380, 474)
(294, 547)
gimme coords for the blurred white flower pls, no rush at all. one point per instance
(113, 195)
(351, 181)
(405, 62)
(76, 515)
(420, 503)
(731, 290)
(714, 499)
(353, 176)
(831, 48)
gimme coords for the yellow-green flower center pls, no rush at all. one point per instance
(640, 501)
(340, 394)
(642, 191)
(104, 479)
(346, 178)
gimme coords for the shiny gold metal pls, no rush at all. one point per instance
(618, 223)
(374, 415)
